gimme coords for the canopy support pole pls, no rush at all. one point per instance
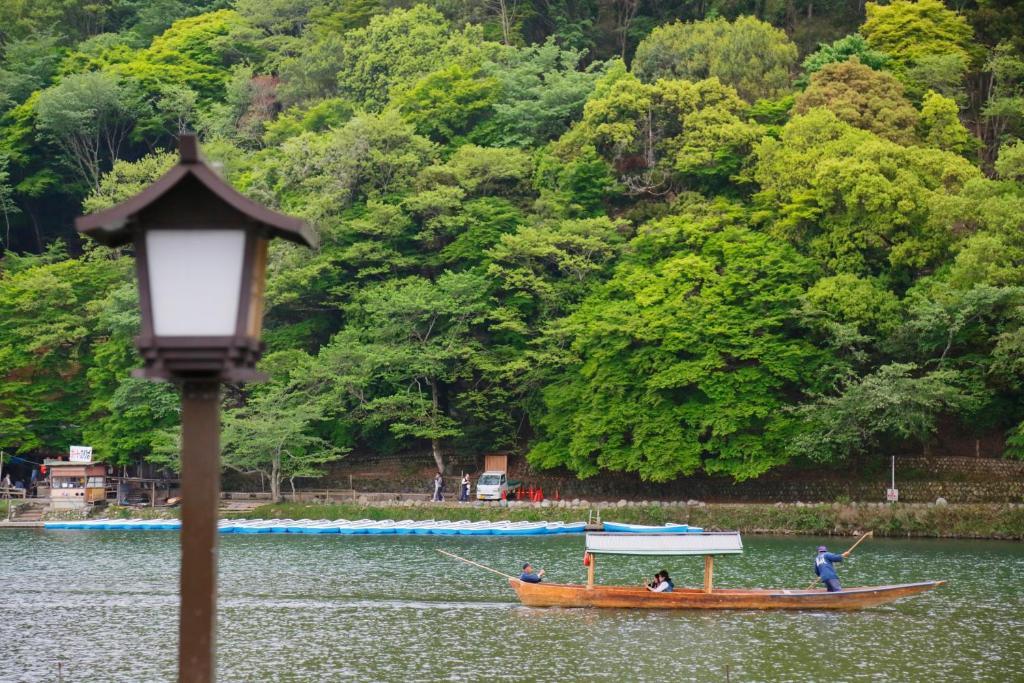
(590, 572)
(709, 572)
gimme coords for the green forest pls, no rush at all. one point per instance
(667, 238)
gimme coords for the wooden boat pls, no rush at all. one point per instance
(578, 595)
(709, 545)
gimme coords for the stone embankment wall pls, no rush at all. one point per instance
(919, 480)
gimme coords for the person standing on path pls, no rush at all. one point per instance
(438, 487)
(464, 490)
(824, 569)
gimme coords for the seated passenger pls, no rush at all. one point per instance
(664, 583)
(528, 576)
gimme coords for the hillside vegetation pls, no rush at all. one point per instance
(662, 238)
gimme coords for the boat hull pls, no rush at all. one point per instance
(575, 595)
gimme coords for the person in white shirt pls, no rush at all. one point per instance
(662, 583)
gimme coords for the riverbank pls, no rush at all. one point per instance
(993, 521)
(980, 521)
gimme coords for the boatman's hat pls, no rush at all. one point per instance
(822, 549)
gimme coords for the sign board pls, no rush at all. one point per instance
(892, 495)
(81, 454)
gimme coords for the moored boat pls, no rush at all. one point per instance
(668, 528)
(708, 597)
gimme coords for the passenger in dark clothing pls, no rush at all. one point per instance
(528, 576)
(824, 569)
(662, 583)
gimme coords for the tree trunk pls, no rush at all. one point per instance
(435, 443)
(275, 478)
(435, 448)
(505, 21)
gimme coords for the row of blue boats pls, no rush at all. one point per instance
(369, 526)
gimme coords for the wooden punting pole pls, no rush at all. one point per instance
(590, 573)
(709, 572)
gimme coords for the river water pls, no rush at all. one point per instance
(103, 605)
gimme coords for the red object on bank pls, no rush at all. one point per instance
(503, 496)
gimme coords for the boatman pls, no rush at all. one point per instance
(528, 576)
(824, 569)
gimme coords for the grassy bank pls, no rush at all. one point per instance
(950, 521)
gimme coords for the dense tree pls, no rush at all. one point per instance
(684, 361)
(858, 203)
(931, 46)
(841, 50)
(90, 116)
(274, 434)
(908, 30)
(447, 104)
(28, 64)
(414, 339)
(747, 54)
(895, 401)
(47, 344)
(514, 253)
(543, 90)
(1010, 164)
(1003, 111)
(399, 48)
(865, 98)
(941, 126)
(659, 135)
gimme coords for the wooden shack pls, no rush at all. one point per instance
(74, 485)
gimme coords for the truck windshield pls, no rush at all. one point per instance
(490, 480)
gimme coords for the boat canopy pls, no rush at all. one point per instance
(707, 543)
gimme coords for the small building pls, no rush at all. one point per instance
(151, 491)
(74, 485)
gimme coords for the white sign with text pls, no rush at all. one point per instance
(81, 454)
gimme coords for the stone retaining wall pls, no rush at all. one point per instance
(919, 480)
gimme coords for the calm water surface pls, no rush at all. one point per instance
(321, 608)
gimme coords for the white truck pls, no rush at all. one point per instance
(491, 486)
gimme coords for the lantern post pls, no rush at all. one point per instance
(200, 257)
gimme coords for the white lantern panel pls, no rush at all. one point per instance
(195, 281)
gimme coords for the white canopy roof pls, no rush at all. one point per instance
(708, 543)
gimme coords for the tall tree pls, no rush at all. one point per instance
(406, 353)
(863, 97)
(90, 116)
(275, 434)
(685, 360)
(747, 54)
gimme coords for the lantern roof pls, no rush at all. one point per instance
(116, 226)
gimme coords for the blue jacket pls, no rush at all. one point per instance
(823, 565)
(529, 577)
